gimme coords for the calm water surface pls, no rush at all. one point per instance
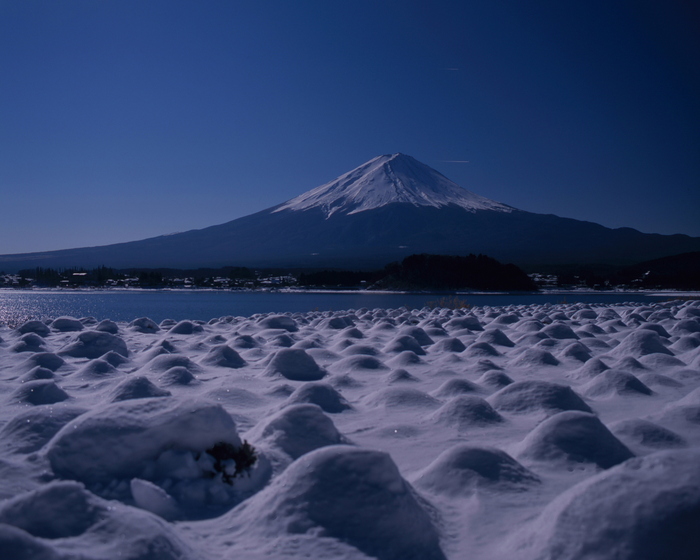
(18, 306)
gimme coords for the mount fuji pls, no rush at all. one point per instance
(382, 211)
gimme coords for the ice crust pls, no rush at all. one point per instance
(564, 431)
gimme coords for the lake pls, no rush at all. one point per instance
(17, 306)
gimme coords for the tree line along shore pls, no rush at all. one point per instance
(416, 272)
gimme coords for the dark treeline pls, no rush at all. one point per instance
(143, 277)
(55, 277)
(446, 272)
(417, 272)
(430, 272)
(677, 272)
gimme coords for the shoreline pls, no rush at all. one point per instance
(563, 292)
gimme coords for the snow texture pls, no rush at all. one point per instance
(565, 431)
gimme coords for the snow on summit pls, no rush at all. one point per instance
(389, 179)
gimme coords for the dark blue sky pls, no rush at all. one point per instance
(121, 119)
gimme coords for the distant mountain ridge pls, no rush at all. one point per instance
(382, 211)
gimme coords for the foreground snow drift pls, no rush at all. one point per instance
(533, 432)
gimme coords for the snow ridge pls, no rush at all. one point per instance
(388, 179)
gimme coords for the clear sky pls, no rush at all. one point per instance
(126, 119)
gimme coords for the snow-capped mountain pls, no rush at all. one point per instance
(382, 211)
(389, 179)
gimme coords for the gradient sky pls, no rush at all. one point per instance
(121, 120)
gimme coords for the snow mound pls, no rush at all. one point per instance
(660, 361)
(467, 411)
(591, 368)
(107, 326)
(646, 433)
(336, 323)
(658, 380)
(279, 322)
(36, 327)
(655, 327)
(481, 350)
(448, 345)
(403, 343)
(164, 362)
(297, 430)
(47, 360)
(584, 314)
(574, 436)
(577, 351)
(524, 397)
(506, 319)
(186, 327)
(58, 510)
(61, 517)
(460, 323)
(644, 509)
(640, 343)
(536, 357)
(41, 391)
(463, 468)
(320, 394)
(529, 325)
(686, 326)
(66, 324)
(495, 379)
(245, 342)
(223, 355)
(30, 430)
(559, 331)
(401, 397)
(177, 375)
(144, 325)
(137, 387)
(403, 359)
(20, 545)
(360, 349)
(400, 376)
(96, 370)
(93, 344)
(496, 337)
(124, 440)
(281, 340)
(686, 343)
(295, 364)
(38, 373)
(615, 382)
(358, 362)
(454, 387)
(419, 334)
(352, 332)
(30, 342)
(372, 507)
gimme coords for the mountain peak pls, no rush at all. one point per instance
(388, 179)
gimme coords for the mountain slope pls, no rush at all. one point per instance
(383, 211)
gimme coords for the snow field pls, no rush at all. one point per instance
(566, 431)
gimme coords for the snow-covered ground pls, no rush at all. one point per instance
(565, 431)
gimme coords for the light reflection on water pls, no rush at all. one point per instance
(17, 306)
